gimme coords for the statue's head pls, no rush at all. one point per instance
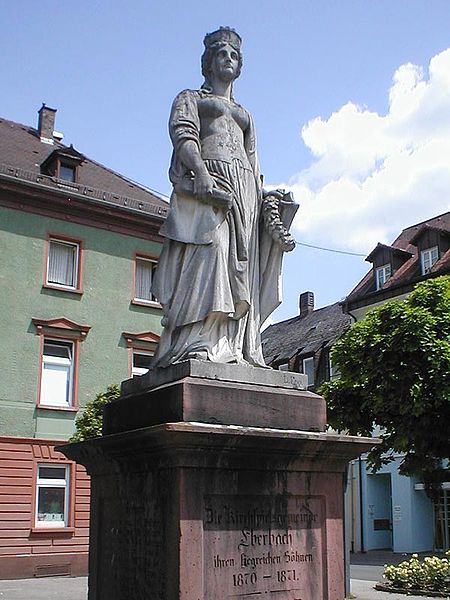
(213, 42)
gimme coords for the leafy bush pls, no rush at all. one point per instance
(89, 424)
(395, 373)
(431, 575)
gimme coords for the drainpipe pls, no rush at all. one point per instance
(346, 480)
(361, 505)
(361, 508)
(352, 316)
(353, 506)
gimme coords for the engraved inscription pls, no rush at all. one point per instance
(269, 546)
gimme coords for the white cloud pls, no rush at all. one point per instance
(372, 174)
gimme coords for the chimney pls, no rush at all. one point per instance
(46, 124)
(306, 303)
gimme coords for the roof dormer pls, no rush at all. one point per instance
(63, 163)
(432, 243)
(386, 260)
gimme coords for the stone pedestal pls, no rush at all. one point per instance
(208, 489)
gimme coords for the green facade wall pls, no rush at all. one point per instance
(105, 305)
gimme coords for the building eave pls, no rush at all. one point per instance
(67, 203)
(82, 192)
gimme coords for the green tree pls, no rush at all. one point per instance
(395, 373)
(89, 424)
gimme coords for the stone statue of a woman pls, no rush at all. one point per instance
(218, 274)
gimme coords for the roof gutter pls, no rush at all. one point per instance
(68, 190)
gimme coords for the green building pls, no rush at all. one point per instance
(78, 245)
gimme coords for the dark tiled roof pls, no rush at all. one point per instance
(407, 273)
(21, 148)
(429, 227)
(304, 335)
(394, 250)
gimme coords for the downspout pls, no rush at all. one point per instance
(352, 316)
(361, 507)
(353, 507)
(346, 479)
(361, 510)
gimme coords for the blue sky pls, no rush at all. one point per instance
(351, 115)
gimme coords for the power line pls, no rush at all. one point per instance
(330, 249)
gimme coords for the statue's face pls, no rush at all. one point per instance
(225, 63)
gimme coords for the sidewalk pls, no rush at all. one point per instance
(365, 570)
(75, 588)
(44, 588)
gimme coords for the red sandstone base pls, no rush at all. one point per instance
(29, 566)
(201, 511)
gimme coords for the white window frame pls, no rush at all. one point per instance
(427, 259)
(46, 483)
(139, 371)
(307, 361)
(74, 285)
(57, 363)
(382, 274)
(142, 259)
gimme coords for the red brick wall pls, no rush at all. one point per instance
(27, 551)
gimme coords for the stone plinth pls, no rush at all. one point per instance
(201, 369)
(205, 511)
(216, 393)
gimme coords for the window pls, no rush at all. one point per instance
(67, 172)
(334, 371)
(428, 258)
(63, 163)
(57, 373)
(63, 264)
(441, 511)
(52, 496)
(141, 347)
(382, 274)
(144, 269)
(60, 341)
(308, 369)
(141, 363)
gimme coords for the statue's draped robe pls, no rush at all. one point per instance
(218, 274)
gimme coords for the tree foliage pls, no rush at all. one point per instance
(395, 373)
(89, 424)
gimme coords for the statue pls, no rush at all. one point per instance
(218, 274)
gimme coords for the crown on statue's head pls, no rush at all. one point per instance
(223, 34)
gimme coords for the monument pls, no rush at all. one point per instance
(218, 275)
(215, 477)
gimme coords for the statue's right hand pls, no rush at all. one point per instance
(203, 185)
